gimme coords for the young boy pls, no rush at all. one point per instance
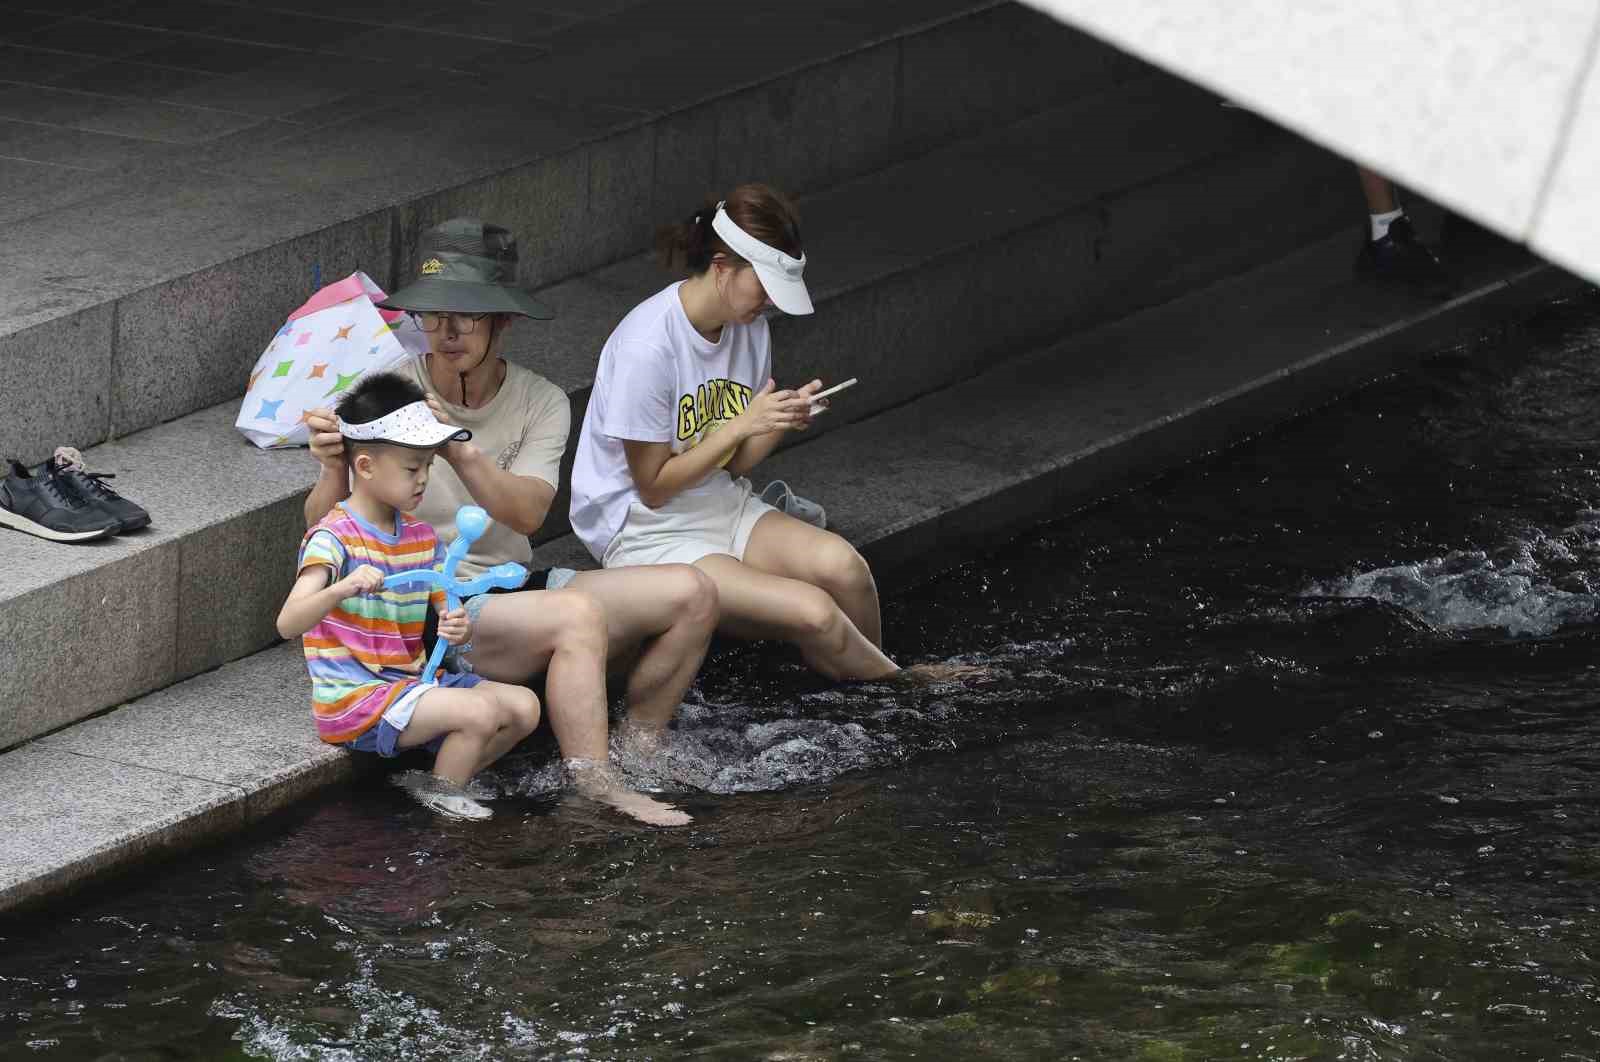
(363, 643)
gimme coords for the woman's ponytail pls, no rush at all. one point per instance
(689, 245)
(762, 211)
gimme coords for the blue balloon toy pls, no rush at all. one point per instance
(471, 523)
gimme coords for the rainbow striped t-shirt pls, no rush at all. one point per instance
(367, 652)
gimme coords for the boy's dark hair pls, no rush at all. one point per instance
(372, 397)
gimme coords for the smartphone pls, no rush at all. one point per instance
(835, 389)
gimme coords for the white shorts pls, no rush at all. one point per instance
(688, 527)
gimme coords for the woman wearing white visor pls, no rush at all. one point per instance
(684, 406)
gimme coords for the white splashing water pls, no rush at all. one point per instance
(1535, 587)
(727, 748)
(389, 1025)
(720, 749)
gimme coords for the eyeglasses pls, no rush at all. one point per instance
(461, 324)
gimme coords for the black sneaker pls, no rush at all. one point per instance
(1400, 260)
(67, 466)
(46, 506)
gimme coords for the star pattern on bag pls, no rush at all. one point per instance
(291, 355)
(344, 381)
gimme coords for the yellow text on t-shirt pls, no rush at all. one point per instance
(708, 407)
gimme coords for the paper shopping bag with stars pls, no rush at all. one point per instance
(324, 347)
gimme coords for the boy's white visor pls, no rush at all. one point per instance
(781, 275)
(413, 425)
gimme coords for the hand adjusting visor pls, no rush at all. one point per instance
(413, 425)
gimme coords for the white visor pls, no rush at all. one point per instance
(780, 274)
(413, 425)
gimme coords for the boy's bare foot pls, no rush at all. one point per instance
(598, 782)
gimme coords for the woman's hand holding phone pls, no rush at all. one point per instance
(771, 410)
(819, 399)
(821, 396)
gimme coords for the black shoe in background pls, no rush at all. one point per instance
(67, 466)
(46, 506)
(1401, 261)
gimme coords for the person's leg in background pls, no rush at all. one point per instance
(1392, 253)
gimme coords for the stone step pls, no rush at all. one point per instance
(951, 471)
(912, 294)
(964, 468)
(933, 268)
(165, 201)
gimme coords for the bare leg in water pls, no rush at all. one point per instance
(811, 588)
(563, 633)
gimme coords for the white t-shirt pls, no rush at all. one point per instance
(523, 429)
(659, 380)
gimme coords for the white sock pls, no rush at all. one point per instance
(1381, 222)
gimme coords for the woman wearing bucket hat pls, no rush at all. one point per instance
(564, 624)
(684, 405)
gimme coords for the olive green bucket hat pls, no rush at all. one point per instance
(467, 267)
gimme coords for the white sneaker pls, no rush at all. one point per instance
(438, 795)
(454, 805)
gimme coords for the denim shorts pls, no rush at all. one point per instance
(384, 739)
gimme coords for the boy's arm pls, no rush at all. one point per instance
(311, 598)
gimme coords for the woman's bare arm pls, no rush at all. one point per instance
(660, 475)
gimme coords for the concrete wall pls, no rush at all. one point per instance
(1491, 108)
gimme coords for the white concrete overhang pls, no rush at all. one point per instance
(1491, 107)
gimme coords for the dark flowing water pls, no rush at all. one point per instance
(1291, 754)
